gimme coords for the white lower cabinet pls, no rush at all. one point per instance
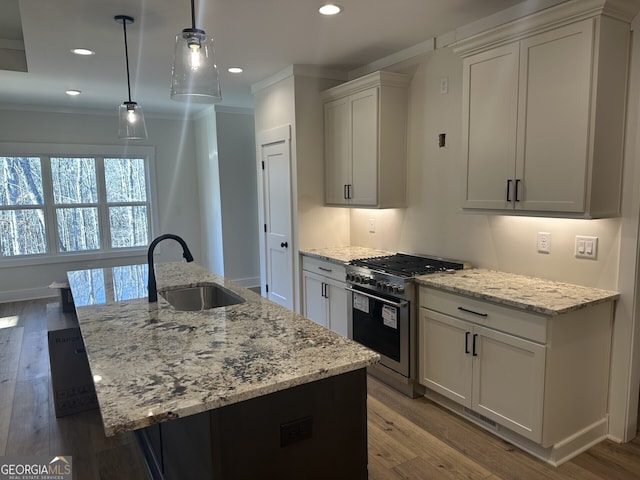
(495, 374)
(325, 295)
(544, 378)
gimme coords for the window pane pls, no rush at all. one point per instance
(74, 180)
(22, 232)
(88, 287)
(128, 226)
(129, 282)
(78, 229)
(125, 180)
(20, 181)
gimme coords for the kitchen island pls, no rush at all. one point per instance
(246, 390)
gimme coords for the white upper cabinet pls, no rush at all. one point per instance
(543, 115)
(365, 125)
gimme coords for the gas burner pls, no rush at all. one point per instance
(407, 266)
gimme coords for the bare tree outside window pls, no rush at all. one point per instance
(71, 204)
(22, 222)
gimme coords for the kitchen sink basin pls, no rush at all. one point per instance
(200, 297)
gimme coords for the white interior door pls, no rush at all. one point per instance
(278, 229)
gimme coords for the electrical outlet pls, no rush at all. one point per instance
(544, 242)
(372, 225)
(296, 431)
(444, 85)
(586, 247)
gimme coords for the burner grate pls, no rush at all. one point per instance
(405, 265)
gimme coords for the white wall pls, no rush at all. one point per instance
(228, 195)
(318, 226)
(176, 174)
(209, 191)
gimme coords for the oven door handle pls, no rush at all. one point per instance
(400, 304)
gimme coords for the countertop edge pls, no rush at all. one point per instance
(343, 254)
(435, 281)
(115, 428)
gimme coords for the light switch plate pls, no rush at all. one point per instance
(586, 247)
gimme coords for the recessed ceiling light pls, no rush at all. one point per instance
(235, 70)
(330, 9)
(82, 51)
(73, 93)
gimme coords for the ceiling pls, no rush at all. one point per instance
(261, 36)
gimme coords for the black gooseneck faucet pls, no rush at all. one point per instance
(151, 286)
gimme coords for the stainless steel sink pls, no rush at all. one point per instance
(200, 297)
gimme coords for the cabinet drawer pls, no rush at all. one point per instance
(326, 268)
(509, 320)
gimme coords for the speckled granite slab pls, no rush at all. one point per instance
(519, 291)
(152, 363)
(344, 254)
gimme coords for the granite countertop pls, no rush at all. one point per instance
(152, 363)
(344, 254)
(519, 291)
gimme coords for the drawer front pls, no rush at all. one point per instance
(326, 268)
(509, 320)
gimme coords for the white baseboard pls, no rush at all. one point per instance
(554, 455)
(247, 282)
(28, 294)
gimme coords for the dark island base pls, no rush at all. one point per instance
(313, 431)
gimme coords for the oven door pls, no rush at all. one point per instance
(381, 323)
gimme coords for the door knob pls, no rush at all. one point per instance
(284, 244)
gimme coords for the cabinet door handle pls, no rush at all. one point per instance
(345, 192)
(462, 309)
(349, 191)
(475, 353)
(284, 244)
(323, 290)
(516, 192)
(509, 190)
(466, 342)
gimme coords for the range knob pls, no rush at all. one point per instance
(400, 289)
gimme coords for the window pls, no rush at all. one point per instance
(86, 200)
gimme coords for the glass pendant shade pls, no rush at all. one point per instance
(131, 125)
(194, 77)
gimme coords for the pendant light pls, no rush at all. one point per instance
(131, 125)
(194, 76)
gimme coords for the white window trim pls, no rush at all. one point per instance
(73, 150)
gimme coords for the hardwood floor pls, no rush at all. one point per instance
(408, 439)
(28, 425)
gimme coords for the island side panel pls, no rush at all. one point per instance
(313, 431)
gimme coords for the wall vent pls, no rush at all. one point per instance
(481, 418)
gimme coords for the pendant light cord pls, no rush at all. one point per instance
(193, 15)
(126, 56)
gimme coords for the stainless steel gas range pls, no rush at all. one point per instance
(383, 309)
